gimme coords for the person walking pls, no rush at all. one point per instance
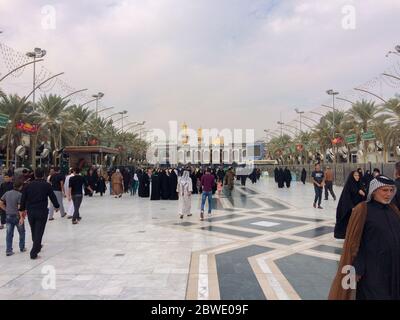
(318, 181)
(7, 185)
(76, 186)
(369, 267)
(353, 193)
(117, 182)
(329, 183)
(184, 190)
(70, 204)
(57, 183)
(229, 181)
(207, 183)
(34, 202)
(10, 204)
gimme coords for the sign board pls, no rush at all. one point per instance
(369, 135)
(4, 120)
(351, 139)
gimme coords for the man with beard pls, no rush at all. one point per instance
(173, 183)
(371, 251)
(155, 185)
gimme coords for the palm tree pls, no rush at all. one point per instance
(16, 108)
(80, 116)
(384, 133)
(51, 114)
(361, 115)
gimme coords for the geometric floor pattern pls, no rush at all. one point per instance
(260, 243)
(274, 254)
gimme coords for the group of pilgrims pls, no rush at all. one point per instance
(283, 176)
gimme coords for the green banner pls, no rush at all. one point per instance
(4, 120)
(369, 135)
(351, 139)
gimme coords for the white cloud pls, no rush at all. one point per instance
(225, 63)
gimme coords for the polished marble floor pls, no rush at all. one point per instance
(261, 242)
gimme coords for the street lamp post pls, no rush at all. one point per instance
(299, 113)
(122, 119)
(98, 96)
(333, 94)
(37, 53)
(281, 124)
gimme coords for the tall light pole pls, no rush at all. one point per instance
(333, 93)
(122, 119)
(397, 52)
(37, 53)
(300, 113)
(281, 124)
(98, 96)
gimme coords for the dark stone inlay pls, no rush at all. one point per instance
(249, 190)
(276, 206)
(283, 225)
(313, 233)
(297, 218)
(236, 278)
(233, 232)
(310, 276)
(283, 241)
(221, 218)
(329, 249)
(242, 201)
(119, 254)
(185, 224)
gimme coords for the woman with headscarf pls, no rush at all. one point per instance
(155, 185)
(144, 185)
(366, 179)
(117, 182)
(287, 177)
(194, 181)
(353, 193)
(173, 182)
(184, 190)
(303, 176)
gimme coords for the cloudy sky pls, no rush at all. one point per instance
(211, 63)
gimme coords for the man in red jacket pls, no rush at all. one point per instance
(207, 182)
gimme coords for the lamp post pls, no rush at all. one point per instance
(333, 93)
(122, 119)
(281, 124)
(37, 53)
(299, 113)
(98, 96)
(397, 52)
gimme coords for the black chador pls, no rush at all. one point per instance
(287, 177)
(349, 198)
(144, 185)
(164, 184)
(155, 186)
(173, 182)
(303, 176)
(194, 182)
(281, 178)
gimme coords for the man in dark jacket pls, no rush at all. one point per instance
(34, 201)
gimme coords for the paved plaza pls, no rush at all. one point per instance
(260, 243)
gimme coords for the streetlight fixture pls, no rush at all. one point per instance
(37, 53)
(333, 94)
(98, 96)
(281, 124)
(300, 113)
(397, 52)
(122, 119)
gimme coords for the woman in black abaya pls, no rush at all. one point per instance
(173, 183)
(353, 193)
(155, 186)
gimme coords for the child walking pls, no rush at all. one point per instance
(10, 204)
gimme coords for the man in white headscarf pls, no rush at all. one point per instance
(371, 251)
(184, 190)
(70, 204)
